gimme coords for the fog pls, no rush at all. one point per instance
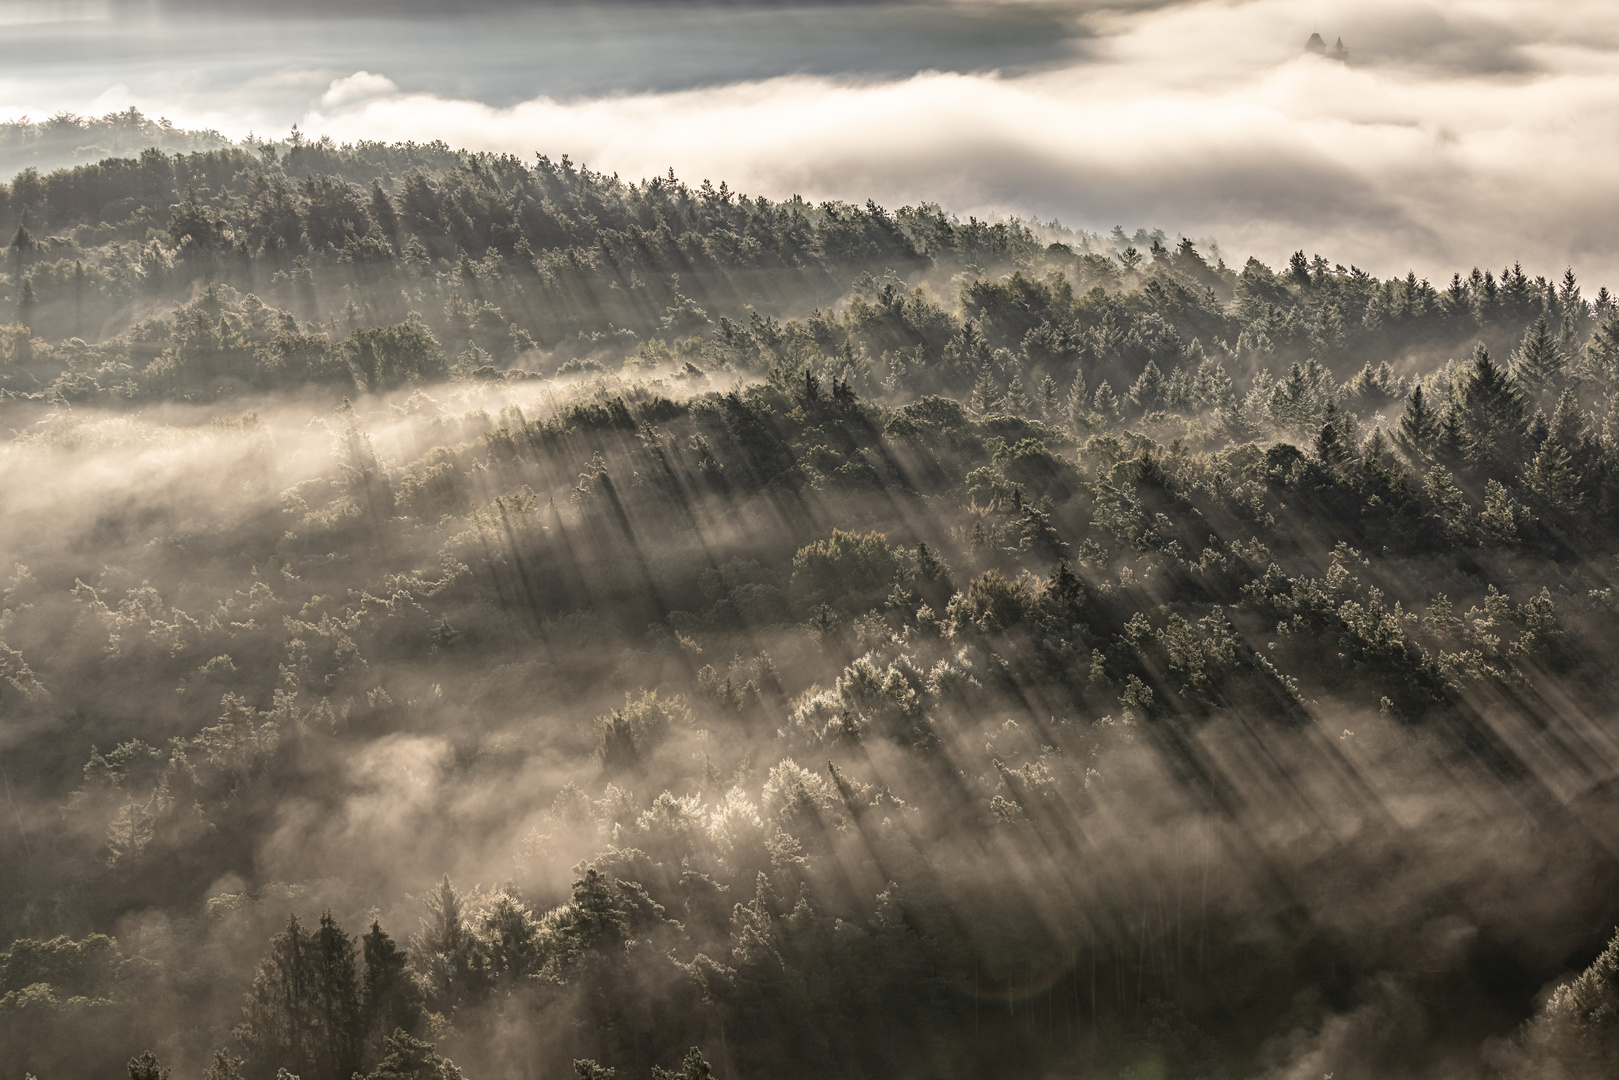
(775, 602)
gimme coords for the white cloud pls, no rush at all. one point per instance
(1461, 133)
(361, 86)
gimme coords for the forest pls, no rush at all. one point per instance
(473, 617)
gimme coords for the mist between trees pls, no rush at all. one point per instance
(462, 610)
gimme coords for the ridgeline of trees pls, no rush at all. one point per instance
(464, 609)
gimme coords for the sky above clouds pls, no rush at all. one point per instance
(1460, 132)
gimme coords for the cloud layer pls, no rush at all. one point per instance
(1459, 133)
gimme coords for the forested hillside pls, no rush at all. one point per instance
(455, 608)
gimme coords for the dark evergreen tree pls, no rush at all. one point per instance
(986, 394)
(1491, 416)
(146, 1067)
(1538, 363)
(1419, 424)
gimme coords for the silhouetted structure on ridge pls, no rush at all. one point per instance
(1318, 45)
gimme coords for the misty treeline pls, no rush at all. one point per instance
(463, 611)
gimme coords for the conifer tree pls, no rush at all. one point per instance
(1602, 351)
(1538, 363)
(1419, 425)
(1491, 414)
(1078, 403)
(694, 1067)
(1330, 446)
(986, 393)
(1047, 397)
(337, 987)
(408, 1058)
(1148, 392)
(146, 1067)
(389, 997)
(1455, 513)
(1568, 426)
(1234, 424)
(1106, 402)
(279, 1027)
(1552, 476)
(1016, 401)
(224, 1067)
(383, 212)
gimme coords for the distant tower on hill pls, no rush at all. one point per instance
(1318, 45)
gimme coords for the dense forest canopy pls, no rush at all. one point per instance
(463, 609)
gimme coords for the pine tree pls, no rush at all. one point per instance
(389, 998)
(146, 1067)
(1213, 385)
(26, 303)
(1538, 363)
(383, 212)
(1016, 401)
(1552, 476)
(1451, 444)
(1105, 401)
(279, 1026)
(1078, 403)
(1568, 339)
(1602, 351)
(443, 947)
(1047, 396)
(337, 987)
(1419, 425)
(1568, 426)
(1148, 392)
(409, 1058)
(1504, 519)
(1451, 506)
(1330, 446)
(694, 1067)
(1491, 415)
(986, 393)
(1234, 424)
(224, 1067)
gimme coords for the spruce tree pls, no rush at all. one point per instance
(1538, 363)
(1016, 401)
(146, 1067)
(1148, 392)
(1602, 351)
(1106, 402)
(383, 212)
(1419, 424)
(1491, 414)
(337, 986)
(1047, 396)
(1552, 476)
(389, 998)
(408, 1058)
(279, 1027)
(1078, 404)
(986, 393)
(694, 1067)
(224, 1067)
(1568, 425)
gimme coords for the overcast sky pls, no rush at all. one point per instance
(1461, 132)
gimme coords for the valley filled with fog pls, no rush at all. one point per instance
(789, 587)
